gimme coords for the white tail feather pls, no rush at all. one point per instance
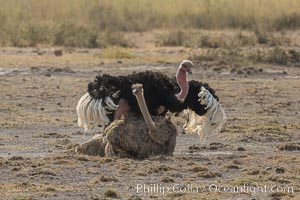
(209, 123)
(91, 112)
(110, 103)
(78, 108)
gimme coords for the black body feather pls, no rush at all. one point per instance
(159, 90)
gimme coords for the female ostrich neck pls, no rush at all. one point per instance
(183, 84)
(145, 111)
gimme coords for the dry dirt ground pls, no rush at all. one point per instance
(256, 156)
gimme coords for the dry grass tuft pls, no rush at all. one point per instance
(291, 146)
(86, 25)
(111, 193)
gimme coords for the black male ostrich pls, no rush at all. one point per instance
(109, 97)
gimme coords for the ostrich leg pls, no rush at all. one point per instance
(137, 90)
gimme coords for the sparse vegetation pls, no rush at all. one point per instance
(247, 50)
(83, 25)
(178, 38)
(111, 193)
(290, 146)
(117, 53)
(261, 121)
(238, 57)
(166, 179)
(199, 169)
(208, 174)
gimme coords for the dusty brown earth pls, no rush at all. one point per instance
(257, 150)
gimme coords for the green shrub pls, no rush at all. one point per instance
(294, 55)
(177, 38)
(278, 56)
(262, 37)
(114, 38)
(291, 21)
(207, 41)
(26, 35)
(245, 39)
(71, 36)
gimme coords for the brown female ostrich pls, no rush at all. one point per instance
(132, 137)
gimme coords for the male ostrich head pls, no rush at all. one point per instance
(184, 68)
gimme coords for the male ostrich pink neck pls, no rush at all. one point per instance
(181, 78)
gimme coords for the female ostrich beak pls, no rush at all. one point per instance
(135, 91)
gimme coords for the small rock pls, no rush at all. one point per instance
(240, 72)
(134, 197)
(119, 62)
(58, 52)
(232, 166)
(268, 168)
(47, 74)
(241, 149)
(279, 170)
(16, 157)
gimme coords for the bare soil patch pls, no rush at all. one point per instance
(258, 146)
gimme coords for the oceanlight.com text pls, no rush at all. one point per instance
(211, 188)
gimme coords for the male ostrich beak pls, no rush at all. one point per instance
(188, 68)
(187, 65)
